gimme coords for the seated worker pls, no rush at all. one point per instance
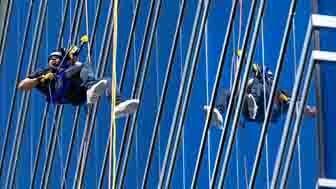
(68, 81)
(254, 100)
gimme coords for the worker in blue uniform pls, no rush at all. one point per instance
(255, 99)
(68, 81)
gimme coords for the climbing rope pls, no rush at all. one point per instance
(114, 84)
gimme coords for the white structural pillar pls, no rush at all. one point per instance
(325, 183)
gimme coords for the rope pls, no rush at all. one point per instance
(124, 68)
(297, 107)
(114, 84)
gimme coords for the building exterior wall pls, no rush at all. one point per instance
(305, 166)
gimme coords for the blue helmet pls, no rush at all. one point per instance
(59, 53)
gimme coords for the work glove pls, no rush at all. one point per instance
(84, 39)
(283, 97)
(73, 51)
(47, 77)
(239, 52)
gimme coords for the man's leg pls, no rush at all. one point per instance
(95, 89)
(219, 109)
(124, 107)
(254, 98)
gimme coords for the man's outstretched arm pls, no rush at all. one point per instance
(28, 84)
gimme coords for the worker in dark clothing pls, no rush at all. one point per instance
(68, 81)
(257, 94)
